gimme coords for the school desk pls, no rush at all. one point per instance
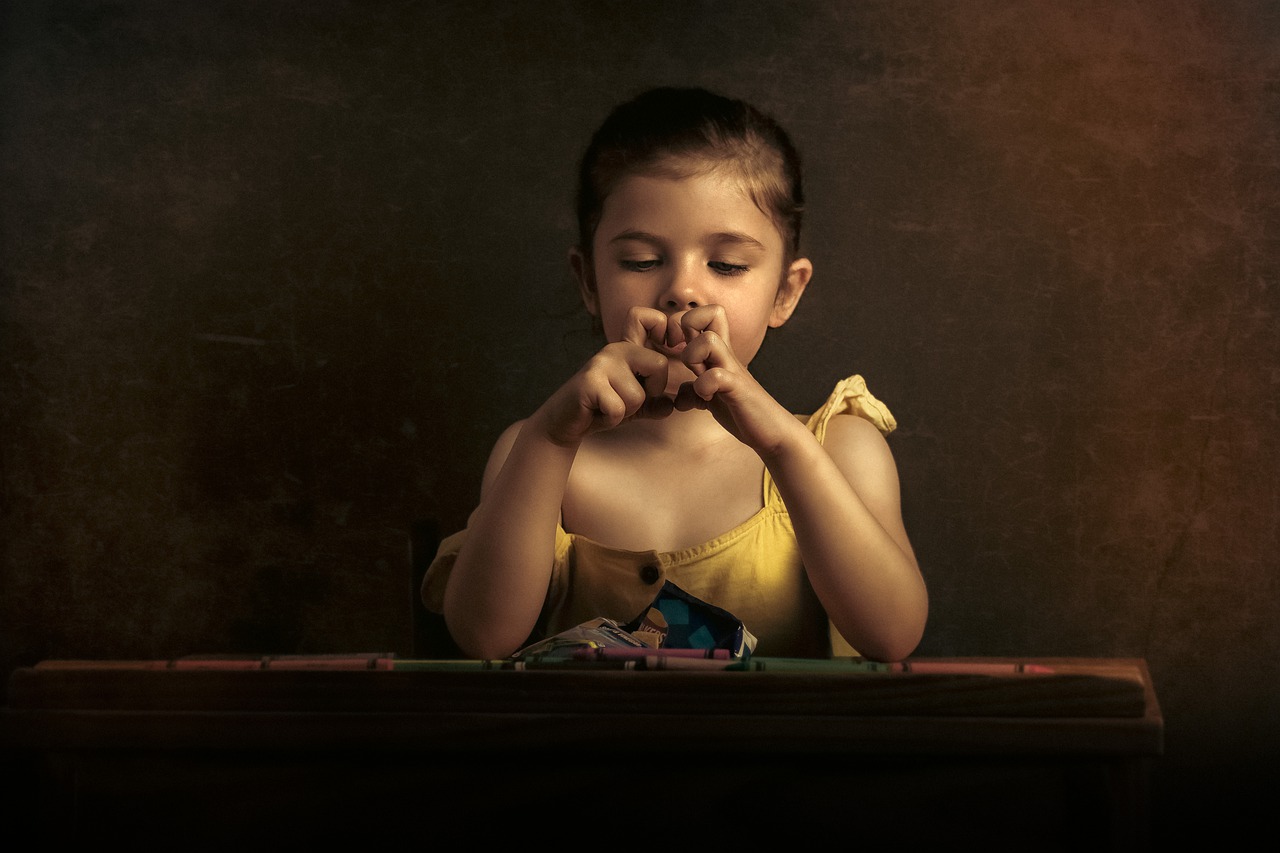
(216, 759)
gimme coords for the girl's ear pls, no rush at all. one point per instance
(790, 291)
(586, 277)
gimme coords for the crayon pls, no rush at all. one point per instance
(624, 653)
(962, 668)
(452, 665)
(661, 661)
(652, 661)
(780, 664)
(592, 659)
(518, 665)
(765, 664)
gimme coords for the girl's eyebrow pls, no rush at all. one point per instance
(632, 234)
(716, 239)
(736, 237)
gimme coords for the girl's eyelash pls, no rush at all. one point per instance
(719, 267)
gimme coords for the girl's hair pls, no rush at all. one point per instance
(680, 132)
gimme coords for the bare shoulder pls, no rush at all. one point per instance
(861, 453)
(501, 449)
(856, 436)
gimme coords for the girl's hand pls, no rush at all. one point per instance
(724, 386)
(623, 380)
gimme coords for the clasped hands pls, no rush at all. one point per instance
(628, 379)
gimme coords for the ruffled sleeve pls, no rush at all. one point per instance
(851, 397)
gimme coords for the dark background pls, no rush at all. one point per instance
(276, 274)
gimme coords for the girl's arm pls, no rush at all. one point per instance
(842, 496)
(500, 578)
(844, 504)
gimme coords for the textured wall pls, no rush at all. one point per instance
(274, 276)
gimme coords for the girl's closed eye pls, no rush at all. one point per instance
(639, 264)
(726, 268)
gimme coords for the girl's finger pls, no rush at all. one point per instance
(687, 398)
(713, 381)
(656, 408)
(650, 369)
(705, 318)
(706, 351)
(621, 379)
(645, 326)
(610, 409)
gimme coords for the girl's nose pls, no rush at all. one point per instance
(681, 292)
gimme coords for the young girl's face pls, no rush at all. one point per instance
(673, 244)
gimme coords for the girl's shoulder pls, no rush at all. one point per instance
(508, 436)
(501, 450)
(853, 433)
(859, 449)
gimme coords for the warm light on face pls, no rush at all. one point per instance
(676, 243)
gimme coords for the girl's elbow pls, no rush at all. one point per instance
(477, 639)
(896, 648)
(897, 641)
(905, 634)
(481, 645)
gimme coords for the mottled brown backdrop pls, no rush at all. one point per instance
(275, 275)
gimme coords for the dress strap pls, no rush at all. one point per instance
(850, 397)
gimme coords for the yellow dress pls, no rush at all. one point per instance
(753, 571)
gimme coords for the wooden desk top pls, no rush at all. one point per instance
(1025, 760)
(1085, 706)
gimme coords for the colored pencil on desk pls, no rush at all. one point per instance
(972, 668)
(677, 662)
(507, 665)
(624, 653)
(860, 665)
(781, 664)
(222, 663)
(594, 659)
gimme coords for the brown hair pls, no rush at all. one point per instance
(679, 132)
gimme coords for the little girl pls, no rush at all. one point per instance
(663, 458)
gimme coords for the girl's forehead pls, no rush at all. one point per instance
(713, 200)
